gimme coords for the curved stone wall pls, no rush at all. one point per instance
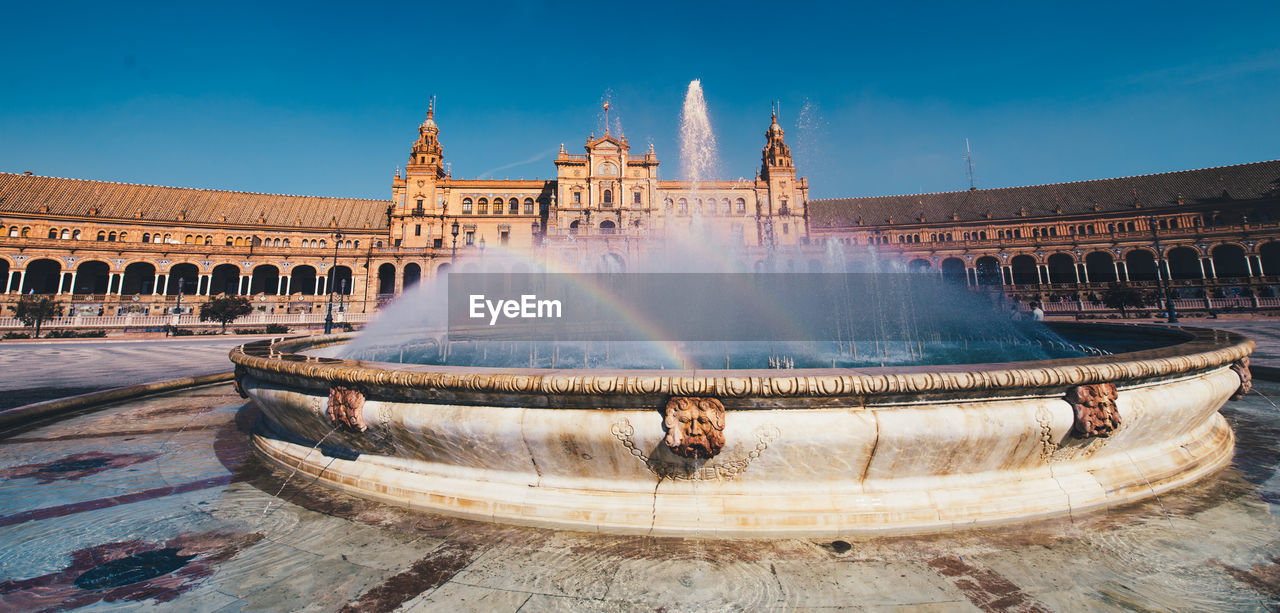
(808, 452)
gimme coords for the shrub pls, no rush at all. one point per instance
(13, 335)
(249, 331)
(277, 329)
(183, 332)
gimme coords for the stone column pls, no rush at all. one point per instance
(1213, 274)
(112, 288)
(22, 277)
(62, 280)
(1085, 269)
(1168, 272)
(1076, 269)
(1201, 261)
(319, 285)
(1261, 272)
(284, 283)
(205, 280)
(970, 276)
(74, 274)
(157, 285)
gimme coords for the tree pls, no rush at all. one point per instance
(35, 310)
(225, 310)
(1120, 296)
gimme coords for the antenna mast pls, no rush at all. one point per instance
(968, 158)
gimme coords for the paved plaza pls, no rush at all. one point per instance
(159, 503)
(34, 371)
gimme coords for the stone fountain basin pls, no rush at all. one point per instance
(813, 453)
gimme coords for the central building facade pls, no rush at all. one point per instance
(605, 200)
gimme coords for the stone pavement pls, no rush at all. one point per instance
(158, 503)
(34, 371)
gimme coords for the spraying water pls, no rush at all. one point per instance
(698, 161)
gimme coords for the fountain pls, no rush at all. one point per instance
(897, 426)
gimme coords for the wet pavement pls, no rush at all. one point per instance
(39, 370)
(159, 503)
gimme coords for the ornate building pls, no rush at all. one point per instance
(113, 248)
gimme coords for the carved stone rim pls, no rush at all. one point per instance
(1202, 349)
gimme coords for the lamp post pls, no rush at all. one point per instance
(454, 258)
(177, 310)
(1168, 302)
(333, 274)
(482, 247)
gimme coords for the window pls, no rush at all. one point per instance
(497, 206)
(786, 229)
(146, 238)
(682, 207)
(358, 244)
(728, 208)
(230, 241)
(239, 242)
(111, 238)
(608, 197)
(482, 206)
(504, 237)
(189, 240)
(124, 236)
(741, 206)
(470, 238)
(286, 242)
(528, 206)
(466, 206)
(417, 230)
(635, 197)
(577, 197)
(513, 206)
(26, 232)
(322, 243)
(75, 236)
(419, 204)
(982, 236)
(53, 233)
(13, 232)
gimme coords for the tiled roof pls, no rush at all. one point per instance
(125, 201)
(1208, 185)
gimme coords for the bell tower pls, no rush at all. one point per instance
(783, 217)
(418, 195)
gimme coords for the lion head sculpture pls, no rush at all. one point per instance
(1241, 367)
(346, 408)
(1095, 409)
(695, 426)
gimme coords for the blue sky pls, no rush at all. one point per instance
(315, 98)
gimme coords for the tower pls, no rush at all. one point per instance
(418, 196)
(782, 217)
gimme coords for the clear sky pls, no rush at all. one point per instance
(325, 99)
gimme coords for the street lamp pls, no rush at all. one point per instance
(481, 247)
(1160, 264)
(177, 310)
(454, 258)
(333, 274)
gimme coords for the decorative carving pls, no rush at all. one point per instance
(278, 361)
(1241, 367)
(241, 371)
(695, 426)
(1095, 409)
(726, 470)
(346, 408)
